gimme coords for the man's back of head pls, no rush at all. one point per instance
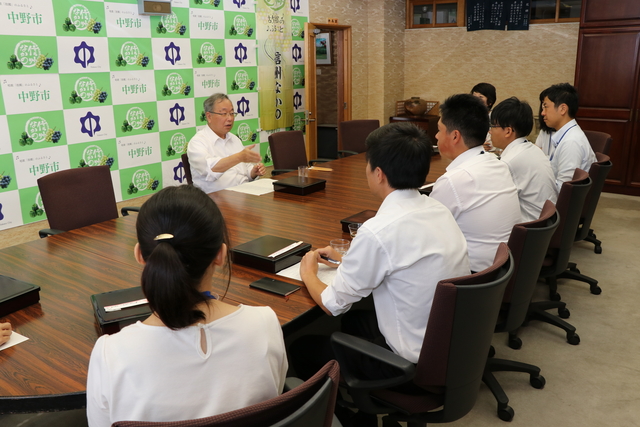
(515, 114)
(402, 151)
(468, 115)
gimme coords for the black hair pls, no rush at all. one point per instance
(176, 265)
(402, 151)
(543, 125)
(515, 114)
(468, 115)
(562, 93)
(489, 92)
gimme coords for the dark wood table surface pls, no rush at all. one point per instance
(48, 372)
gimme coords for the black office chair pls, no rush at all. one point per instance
(288, 151)
(452, 359)
(187, 168)
(75, 198)
(569, 207)
(352, 135)
(528, 244)
(311, 404)
(600, 142)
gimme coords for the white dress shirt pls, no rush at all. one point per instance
(400, 255)
(478, 190)
(153, 373)
(205, 149)
(570, 149)
(532, 175)
(544, 142)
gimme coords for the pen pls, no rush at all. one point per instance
(332, 261)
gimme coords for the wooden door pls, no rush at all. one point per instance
(610, 13)
(311, 124)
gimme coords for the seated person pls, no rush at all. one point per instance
(5, 332)
(511, 122)
(543, 140)
(398, 256)
(195, 356)
(569, 148)
(486, 92)
(217, 158)
(477, 188)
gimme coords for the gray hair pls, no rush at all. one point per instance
(211, 101)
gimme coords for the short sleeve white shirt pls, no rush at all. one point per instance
(205, 149)
(571, 150)
(399, 256)
(478, 190)
(532, 175)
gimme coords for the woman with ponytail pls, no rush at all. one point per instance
(195, 356)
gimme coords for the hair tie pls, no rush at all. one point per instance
(164, 236)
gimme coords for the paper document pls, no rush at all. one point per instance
(15, 338)
(256, 188)
(325, 273)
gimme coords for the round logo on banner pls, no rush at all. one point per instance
(170, 22)
(297, 76)
(275, 4)
(135, 117)
(179, 142)
(295, 28)
(130, 52)
(240, 24)
(85, 88)
(80, 16)
(37, 128)
(38, 201)
(174, 82)
(27, 52)
(244, 132)
(242, 79)
(141, 179)
(208, 51)
(92, 155)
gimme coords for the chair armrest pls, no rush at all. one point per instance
(343, 343)
(125, 211)
(314, 161)
(45, 232)
(279, 171)
(346, 153)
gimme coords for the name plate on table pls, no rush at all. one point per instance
(111, 322)
(16, 295)
(255, 254)
(299, 186)
(360, 217)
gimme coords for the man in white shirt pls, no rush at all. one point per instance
(477, 187)
(511, 122)
(217, 158)
(400, 254)
(569, 147)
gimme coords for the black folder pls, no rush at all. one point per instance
(16, 294)
(112, 322)
(299, 186)
(360, 217)
(255, 254)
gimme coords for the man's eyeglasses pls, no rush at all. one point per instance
(231, 114)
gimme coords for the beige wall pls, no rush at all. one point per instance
(391, 63)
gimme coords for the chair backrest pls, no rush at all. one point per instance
(311, 404)
(598, 173)
(353, 133)
(75, 198)
(600, 142)
(187, 168)
(287, 149)
(459, 333)
(528, 243)
(569, 206)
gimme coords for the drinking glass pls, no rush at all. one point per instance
(340, 245)
(353, 228)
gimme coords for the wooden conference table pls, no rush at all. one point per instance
(49, 371)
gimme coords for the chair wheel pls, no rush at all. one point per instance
(573, 338)
(564, 313)
(515, 343)
(554, 297)
(537, 382)
(597, 249)
(506, 413)
(492, 352)
(574, 269)
(596, 290)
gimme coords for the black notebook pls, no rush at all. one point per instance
(16, 294)
(112, 322)
(255, 253)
